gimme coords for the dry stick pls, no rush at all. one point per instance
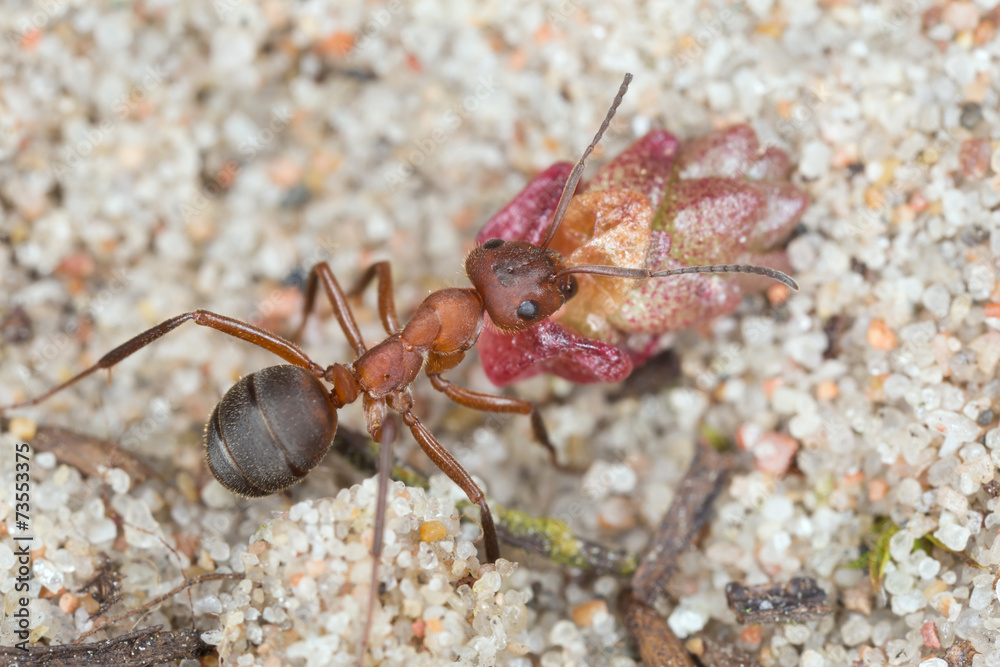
(149, 646)
(658, 645)
(688, 512)
(547, 536)
(554, 539)
(212, 576)
(690, 509)
(87, 453)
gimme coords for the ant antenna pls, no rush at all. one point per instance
(577, 173)
(622, 272)
(619, 272)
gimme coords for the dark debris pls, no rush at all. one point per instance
(960, 654)
(795, 601)
(149, 646)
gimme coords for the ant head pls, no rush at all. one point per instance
(518, 282)
(522, 284)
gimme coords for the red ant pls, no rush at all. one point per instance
(275, 425)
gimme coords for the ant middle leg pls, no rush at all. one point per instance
(438, 364)
(386, 304)
(338, 300)
(495, 403)
(227, 325)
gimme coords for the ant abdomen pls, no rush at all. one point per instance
(269, 430)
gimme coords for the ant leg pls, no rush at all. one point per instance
(322, 272)
(227, 325)
(494, 403)
(386, 435)
(449, 466)
(386, 305)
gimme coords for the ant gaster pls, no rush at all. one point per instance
(275, 425)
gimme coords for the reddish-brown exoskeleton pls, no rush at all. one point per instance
(275, 425)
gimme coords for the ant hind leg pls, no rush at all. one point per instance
(338, 300)
(227, 325)
(386, 304)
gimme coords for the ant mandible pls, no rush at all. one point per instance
(275, 425)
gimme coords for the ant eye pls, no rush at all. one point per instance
(569, 291)
(493, 243)
(528, 310)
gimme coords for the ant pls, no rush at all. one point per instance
(275, 425)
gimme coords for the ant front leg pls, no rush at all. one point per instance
(386, 304)
(227, 325)
(437, 364)
(323, 273)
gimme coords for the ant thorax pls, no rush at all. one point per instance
(519, 282)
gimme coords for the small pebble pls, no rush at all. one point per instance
(974, 157)
(855, 630)
(752, 635)
(432, 531)
(811, 658)
(827, 390)
(616, 514)
(961, 15)
(953, 536)
(68, 603)
(928, 632)
(586, 613)
(774, 453)
(22, 428)
(881, 336)
(972, 114)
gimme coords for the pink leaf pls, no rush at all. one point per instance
(550, 348)
(530, 211)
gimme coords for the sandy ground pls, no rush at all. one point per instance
(156, 158)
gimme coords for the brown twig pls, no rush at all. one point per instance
(658, 645)
(690, 509)
(212, 576)
(87, 453)
(688, 512)
(148, 646)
